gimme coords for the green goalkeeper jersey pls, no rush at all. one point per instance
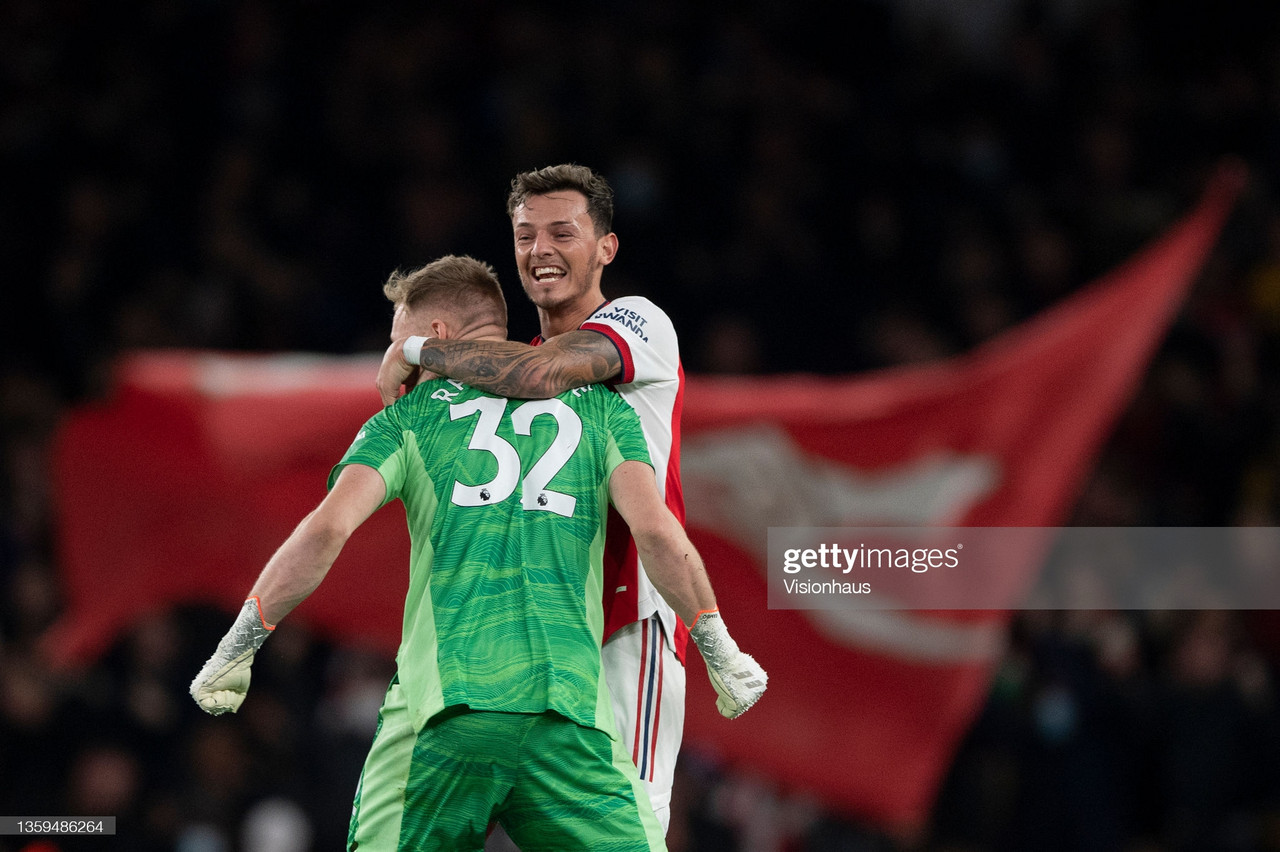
(506, 504)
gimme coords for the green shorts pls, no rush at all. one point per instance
(552, 784)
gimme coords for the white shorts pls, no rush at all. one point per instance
(647, 682)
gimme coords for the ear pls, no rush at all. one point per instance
(440, 329)
(607, 248)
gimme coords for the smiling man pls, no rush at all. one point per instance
(562, 223)
(497, 711)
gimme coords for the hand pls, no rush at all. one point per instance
(223, 681)
(739, 684)
(738, 679)
(394, 372)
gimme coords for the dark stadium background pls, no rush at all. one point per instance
(826, 188)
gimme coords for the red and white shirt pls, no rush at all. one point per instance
(652, 382)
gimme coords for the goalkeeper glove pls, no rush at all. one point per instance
(738, 679)
(222, 683)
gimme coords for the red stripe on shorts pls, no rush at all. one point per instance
(635, 747)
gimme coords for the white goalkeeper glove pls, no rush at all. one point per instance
(738, 679)
(221, 685)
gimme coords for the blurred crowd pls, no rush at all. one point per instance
(805, 188)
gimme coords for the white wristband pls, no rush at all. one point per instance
(413, 349)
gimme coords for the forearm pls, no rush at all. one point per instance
(297, 568)
(676, 570)
(292, 573)
(520, 371)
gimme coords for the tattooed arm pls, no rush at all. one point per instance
(506, 368)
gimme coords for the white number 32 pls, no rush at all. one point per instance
(534, 494)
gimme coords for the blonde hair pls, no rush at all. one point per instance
(464, 286)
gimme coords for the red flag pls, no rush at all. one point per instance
(866, 709)
(182, 485)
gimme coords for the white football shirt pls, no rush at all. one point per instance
(652, 381)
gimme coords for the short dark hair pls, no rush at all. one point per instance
(459, 283)
(567, 176)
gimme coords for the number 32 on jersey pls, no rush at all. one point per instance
(534, 494)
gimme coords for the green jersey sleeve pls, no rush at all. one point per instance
(627, 436)
(379, 444)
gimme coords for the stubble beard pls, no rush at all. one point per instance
(552, 301)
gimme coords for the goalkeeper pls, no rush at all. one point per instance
(498, 710)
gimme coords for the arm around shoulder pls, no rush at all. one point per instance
(520, 371)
